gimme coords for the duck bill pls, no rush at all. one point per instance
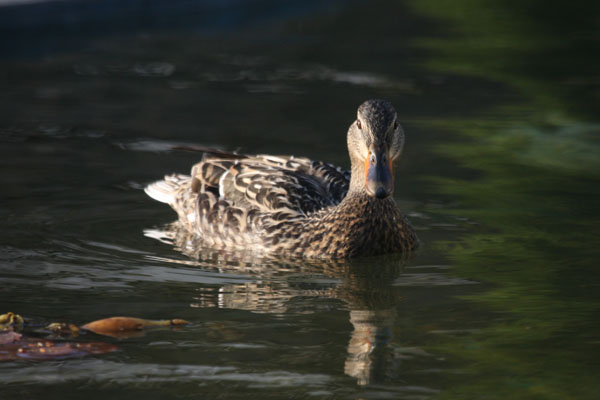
(379, 180)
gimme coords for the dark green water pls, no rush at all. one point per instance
(500, 176)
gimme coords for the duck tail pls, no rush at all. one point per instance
(166, 190)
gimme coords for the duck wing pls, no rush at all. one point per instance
(283, 185)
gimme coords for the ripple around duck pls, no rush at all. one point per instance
(108, 373)
(430, 279)
(159, 146)
(86, 265)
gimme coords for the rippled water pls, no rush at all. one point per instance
(499, 176)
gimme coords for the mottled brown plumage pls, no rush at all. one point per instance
(297, 207)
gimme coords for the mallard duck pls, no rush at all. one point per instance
(296, 207)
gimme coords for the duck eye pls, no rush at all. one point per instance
(358, 124)
(373, 159)
(395, 124)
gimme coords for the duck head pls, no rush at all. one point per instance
(375, 142)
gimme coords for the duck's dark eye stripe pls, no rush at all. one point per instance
(395, 124)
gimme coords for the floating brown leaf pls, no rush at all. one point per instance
(125, 326)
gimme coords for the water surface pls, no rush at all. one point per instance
(499, 177)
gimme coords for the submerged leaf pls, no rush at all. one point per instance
(51, 350)
(9, 337)
(39, 350)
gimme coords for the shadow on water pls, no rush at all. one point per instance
(42, 28)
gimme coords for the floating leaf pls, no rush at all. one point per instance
(11, 321)
(62, 328)
(127, 326)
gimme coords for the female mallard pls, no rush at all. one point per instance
(287, 206)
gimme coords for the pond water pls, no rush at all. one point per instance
(500, 177)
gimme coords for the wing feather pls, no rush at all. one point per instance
(280, 185)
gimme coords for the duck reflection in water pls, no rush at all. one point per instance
(281, 285)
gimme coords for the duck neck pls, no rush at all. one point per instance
(370, 203)
(367, 208)
(357, 178)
